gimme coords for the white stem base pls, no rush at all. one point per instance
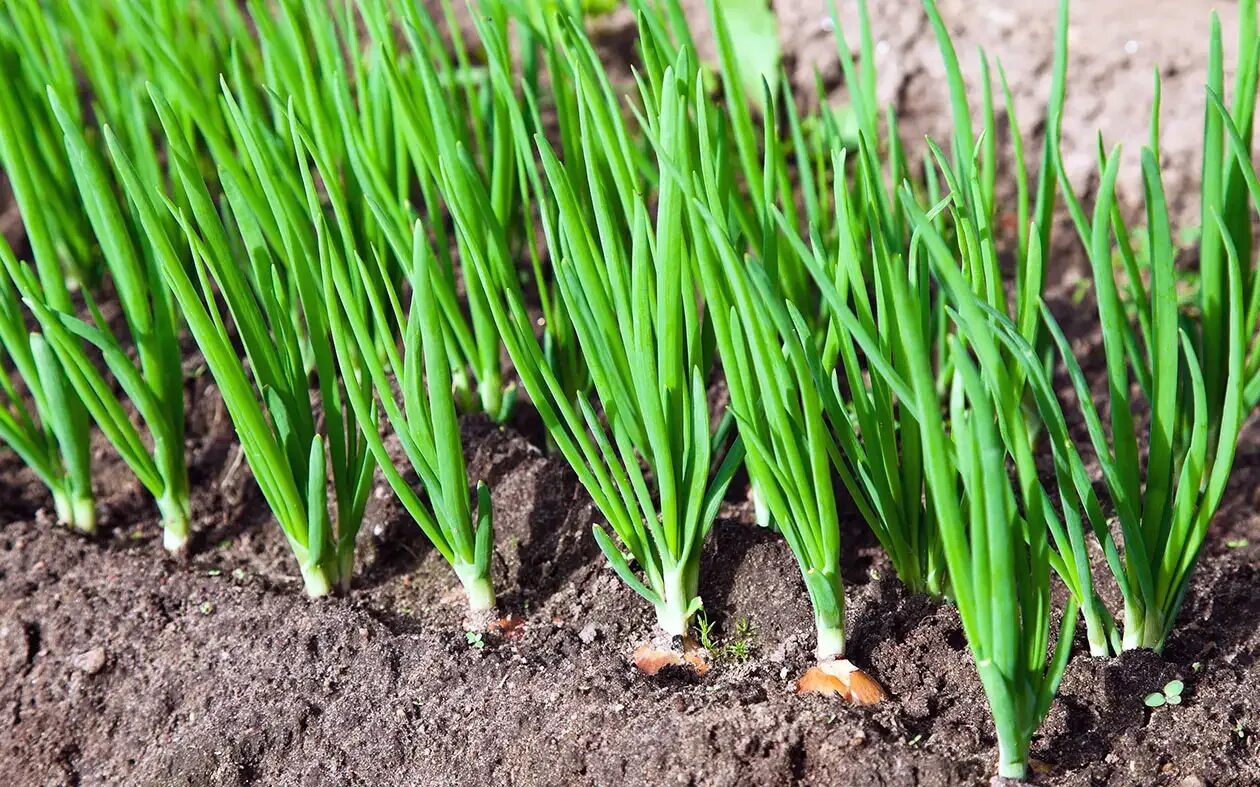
(477, 586)
(318, 583)
(673, 614)
(77, 513)
(175, 524)
(831, 642)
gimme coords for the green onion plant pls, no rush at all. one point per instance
(153, 383)
(43, 420)
(442, 102)
(260, 255)
(627, 281)
(1228, 190)
(850, 257)
(425, 421)
(797, 433)
(993, 527)
(769, 371)
(363, 154)
(40, 419)
(1163, 506)
(998, 564)
(55, 157)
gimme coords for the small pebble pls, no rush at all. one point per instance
(90, 661)
(588, 633)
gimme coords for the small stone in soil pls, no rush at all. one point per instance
(90, 661)
(588, 633)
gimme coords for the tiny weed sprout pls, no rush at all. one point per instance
(732, 650)
(261, 257)
(1169, 695)
(627, 282)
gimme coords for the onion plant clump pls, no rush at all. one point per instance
(997, 552)
(627, 281)
(43, 420)
(872, 230)
(153, 382)
(369, 256)
(779, 371)
(994, 528)
(40, 420)
(1228, 190)
(788, 158)
(425, 421)
(436, 97)
(1193, 375)
(1163, 506)
(260, 256)
(549, 77)
(785, 407)
(535, 86)
(80, 240)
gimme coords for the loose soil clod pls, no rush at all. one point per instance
(511, 627)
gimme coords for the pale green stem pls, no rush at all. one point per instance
(831, 641)
(826, 594)
(345, 567)
(175, 523)
(761, 512)
(461, 389)
(318, 580)
(76, 512)
(490, 393)
(1012, 759)
(1143, 629)
(673, 614)
(477, 586)
(1095, 632)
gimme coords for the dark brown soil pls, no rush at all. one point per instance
(121, 666)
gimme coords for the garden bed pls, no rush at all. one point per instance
(119, 665)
